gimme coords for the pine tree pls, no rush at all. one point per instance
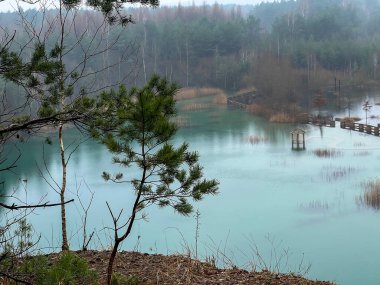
(139, 133)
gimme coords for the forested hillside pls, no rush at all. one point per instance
(287, 50)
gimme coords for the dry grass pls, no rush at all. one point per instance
(190, 93)
(287, 116)
(281, 118)
(302, 117)
(326, 152)
(186, 93)
(371, 195)
(181, 269)
(220, 99)
(259, 110)
(210, 91)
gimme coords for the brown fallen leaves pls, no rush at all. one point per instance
(180, 270)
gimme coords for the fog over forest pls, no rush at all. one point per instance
(287, 50)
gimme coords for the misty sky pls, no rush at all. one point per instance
(8, 4)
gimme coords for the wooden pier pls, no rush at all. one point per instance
(363, 128)
(325, 121)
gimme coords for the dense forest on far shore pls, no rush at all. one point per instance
(288, 50)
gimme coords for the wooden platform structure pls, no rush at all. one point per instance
(363, 128)
(298, 139)
(326, 121)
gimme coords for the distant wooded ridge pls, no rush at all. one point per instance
(286, 49)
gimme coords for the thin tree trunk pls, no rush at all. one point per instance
(65, 244)
(111, 261)
(118, 239)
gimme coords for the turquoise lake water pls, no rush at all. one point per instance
(294, 207)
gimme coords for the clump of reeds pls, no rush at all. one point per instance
(315, 205)
(220, 99)
(288, 115)
(371, 195)
(326, 152)
(302, 117)
(210, 91)
(281, 118)
(336, 173)
(190, 92)
(186, 93)
(259, 110)
(196, 106)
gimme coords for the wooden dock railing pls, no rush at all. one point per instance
(363, 128)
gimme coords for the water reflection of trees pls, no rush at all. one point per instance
(36, 156)
(224, 124)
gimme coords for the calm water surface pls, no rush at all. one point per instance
(295, 207)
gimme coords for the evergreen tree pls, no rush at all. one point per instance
(139, 133)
